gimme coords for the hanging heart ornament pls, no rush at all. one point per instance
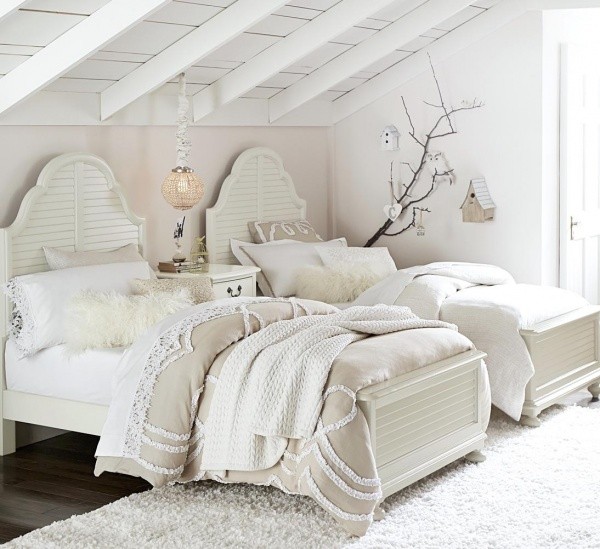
(392, 211)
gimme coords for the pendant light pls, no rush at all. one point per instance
(182, 188)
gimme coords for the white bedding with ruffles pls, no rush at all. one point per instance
(488, 307)
(271, 386)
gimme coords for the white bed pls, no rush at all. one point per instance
(77, 205)
(57, 373)
(564, 350)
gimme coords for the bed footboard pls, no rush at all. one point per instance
(565, 352)
(424, 420)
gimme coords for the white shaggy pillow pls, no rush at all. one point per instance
(99, 320)
(377, 258)
(335, 284)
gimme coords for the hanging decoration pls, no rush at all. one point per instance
(432, 167)
(182, 188)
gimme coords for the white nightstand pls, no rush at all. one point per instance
(227, 280)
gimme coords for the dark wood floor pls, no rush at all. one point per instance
(53, 480)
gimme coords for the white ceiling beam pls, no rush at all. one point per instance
(453, 42)
(177, 58)
(287, 51)
(72, 47)
(364, 54)
(8, 6)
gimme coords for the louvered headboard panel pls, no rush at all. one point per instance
(258, 189)
(75, 205)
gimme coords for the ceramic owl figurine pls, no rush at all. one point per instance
(436, 162)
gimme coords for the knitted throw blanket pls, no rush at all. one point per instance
(270, 388)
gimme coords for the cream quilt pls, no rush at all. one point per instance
(185, 408)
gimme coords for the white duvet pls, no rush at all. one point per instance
(488, 307)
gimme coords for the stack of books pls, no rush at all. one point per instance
(184, 267)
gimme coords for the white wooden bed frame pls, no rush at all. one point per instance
(565, 350)
(418, 422)
(75, 205)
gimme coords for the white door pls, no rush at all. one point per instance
(580, 172)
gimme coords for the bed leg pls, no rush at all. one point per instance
(7, 437)
(378, 512)
(595, 390)
(530, 421)
(475, 457)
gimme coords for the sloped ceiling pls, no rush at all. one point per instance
(33, 25)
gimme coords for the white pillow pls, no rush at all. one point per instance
(379, 259)
(339, 284)
(40, 299)
(244, 259)
(61, 259)
(280, 264)
(100, 320)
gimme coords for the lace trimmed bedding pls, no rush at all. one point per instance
(176, 384)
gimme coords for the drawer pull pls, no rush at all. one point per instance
(239, 291)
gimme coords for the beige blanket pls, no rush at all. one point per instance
(167, 382)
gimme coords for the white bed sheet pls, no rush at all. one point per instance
(52, 372)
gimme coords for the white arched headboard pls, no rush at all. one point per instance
(75, 205)
(257, 189)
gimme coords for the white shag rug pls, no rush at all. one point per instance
(539, 488)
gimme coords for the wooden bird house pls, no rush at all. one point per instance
(478, 205)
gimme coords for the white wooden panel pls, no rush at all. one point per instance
(315, 4)
(262, 93)
(459, 19)
(104, 70)
(149, 37)
(282, 80)
(82, 7)
(276, 25)
(417, 43)
(12, 49)
(109, 55)
(348, 84)
(183, 13)
(298, 12)
(36, 28)
(398, 10)
(354, 35)
(204, 75)
(321, 55)
(78, 85)
(258, 188)
(9, 62)
(243, 47)
(10, 6)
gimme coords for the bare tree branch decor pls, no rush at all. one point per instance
(439, 171)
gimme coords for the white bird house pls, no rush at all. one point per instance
(478, 205)
(390, 138)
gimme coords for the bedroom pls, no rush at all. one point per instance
(313, 84)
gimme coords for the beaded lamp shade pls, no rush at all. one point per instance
(182, 188)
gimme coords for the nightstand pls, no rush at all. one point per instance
(227, 280)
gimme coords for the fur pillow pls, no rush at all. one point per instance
(199, 287)
(336, 284)
(98, 320)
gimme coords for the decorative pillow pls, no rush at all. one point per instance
(300, 231)
(338, 284)
(99, 320)
(40, 298)
(379, 259)
(280, 264)
(237, 250)
(61, 259)
(199, 287)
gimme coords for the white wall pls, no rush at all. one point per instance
(501, 142)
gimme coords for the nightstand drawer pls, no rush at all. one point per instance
(234, 288)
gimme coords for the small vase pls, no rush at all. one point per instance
(178, 256)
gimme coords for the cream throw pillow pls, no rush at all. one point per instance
(379, 259)
(301, 231)
(199, 287)
(280, 264)
(61, 259)
(99, 320)
(339, 284)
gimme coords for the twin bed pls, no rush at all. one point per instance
(423, 412)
